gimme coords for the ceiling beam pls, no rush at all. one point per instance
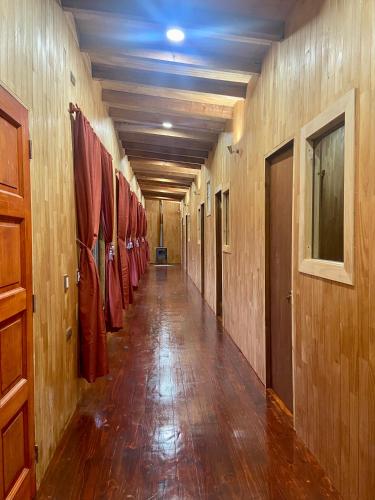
(162, 182)
(155, 119)
(166, 198)
(245, 21)
(165, 141)
(154, 104)
(132, 153)
(196, 154)
(159, 79)
(164, 189)
(152, 192)
(181, 168)
(206, 137)
(172, 67)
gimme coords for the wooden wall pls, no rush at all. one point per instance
(329, 49)
(172, 228)
(37, 53)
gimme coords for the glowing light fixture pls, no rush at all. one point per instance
(175, 35)
(167, 125)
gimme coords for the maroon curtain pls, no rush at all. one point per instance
(113, 298)
(134, 277)
(123, 200)
(88, 189)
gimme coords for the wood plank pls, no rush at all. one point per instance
(185, 168)
(175, 133)
(160, 79)
(195, 15)
(176, 196)
(158, 148)
(167, 66)
(169, 142)
(162, 181)
(155, 119)
(154, 155)
(153, 104)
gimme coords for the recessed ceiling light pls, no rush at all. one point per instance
(167, 125)
(175, 35)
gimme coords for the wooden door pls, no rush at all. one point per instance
(187, 244)
(279, 255)
(17, 473)
(219, 255)
(202, 248)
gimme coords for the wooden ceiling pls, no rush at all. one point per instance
(194, 85)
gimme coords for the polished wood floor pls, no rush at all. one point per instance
(181, 415)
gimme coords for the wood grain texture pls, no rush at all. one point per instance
(329, 50)
(172, 228)
(181, 415)
(37, 53)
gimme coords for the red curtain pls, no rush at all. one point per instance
(123, 201)
(113, 298)
(88, 189)
(134, 277)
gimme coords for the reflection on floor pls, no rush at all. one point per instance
(181, 415)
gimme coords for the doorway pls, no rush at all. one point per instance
(219, 255)
(279, 211)
(187, 244)
(17, 467)
(202, 216)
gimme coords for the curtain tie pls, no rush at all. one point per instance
(82, 244)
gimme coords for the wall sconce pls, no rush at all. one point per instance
(234, 150)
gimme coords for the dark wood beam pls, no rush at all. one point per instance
(133, 153)
(172, 150)
(158, 79)
(166, 198)
(127, 100)
(246, 21)
(161, 182)
(155, 119)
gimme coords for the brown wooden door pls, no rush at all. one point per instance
(280, 200)
(187, 244)
(17, 474)
(219, 255)
(202, 249)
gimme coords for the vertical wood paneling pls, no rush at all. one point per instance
(329, 49)
(171, 229)
(37, 53)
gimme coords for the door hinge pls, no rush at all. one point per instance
(30, 149)
(34, 303)
(36, 452)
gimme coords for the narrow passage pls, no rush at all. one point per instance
(181, 415)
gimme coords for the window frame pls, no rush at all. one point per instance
(343, 110)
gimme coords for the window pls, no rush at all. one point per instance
(226, 220)
(208, 196)
(326, 243)
(328, 196)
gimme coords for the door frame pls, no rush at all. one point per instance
(187, 244)
(29, 290)
(202, 245)
(218, 190)
(284, 146)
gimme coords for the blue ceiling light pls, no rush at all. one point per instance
(175, 35)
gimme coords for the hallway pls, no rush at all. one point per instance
(181, 415)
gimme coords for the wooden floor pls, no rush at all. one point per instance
(181, 415)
